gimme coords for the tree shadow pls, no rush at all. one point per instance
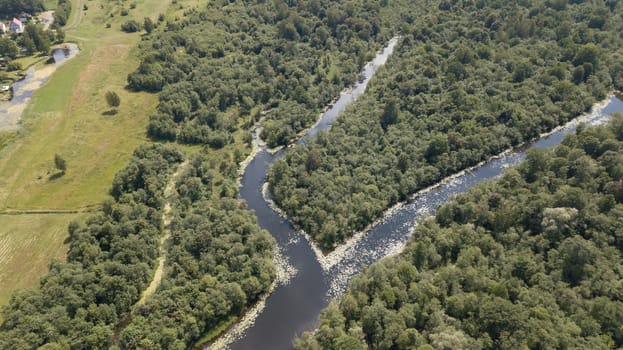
(56, 176)
(110, 112)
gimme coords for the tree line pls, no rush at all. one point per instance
(13, 7)
(467, 80)
(532, 260)
(222, 66)
(34, 39)
(110, 261)
(218, 262)
(62, 12)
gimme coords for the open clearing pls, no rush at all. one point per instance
(66, 117)
(27, 245)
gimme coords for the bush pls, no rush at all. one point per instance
(113, 99)
(131, 26)
(13, 66)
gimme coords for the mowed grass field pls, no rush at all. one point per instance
(66, 117)
(28, 243)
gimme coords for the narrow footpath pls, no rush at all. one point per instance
(169, 194)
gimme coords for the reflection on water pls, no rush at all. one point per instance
(294, 308)
(392, 233)
(11, 111)
(62, 53)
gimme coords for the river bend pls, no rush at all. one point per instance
(295, 303)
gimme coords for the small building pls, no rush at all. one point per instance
(16, 26)
(3, 29)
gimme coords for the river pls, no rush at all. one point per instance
(295, 303)
(11, 111)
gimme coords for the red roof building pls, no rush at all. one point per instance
(16, 26)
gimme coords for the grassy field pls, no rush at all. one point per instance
(50, 4)
(27, 245)
(6, 138)
(66, 117)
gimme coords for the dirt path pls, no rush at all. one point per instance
(47, 18)
(86, 209)
(75, 20)
(169, 192)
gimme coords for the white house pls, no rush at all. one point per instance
(3, 29)
(16, 26)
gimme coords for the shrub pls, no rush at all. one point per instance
(13, 66)
(131, 26)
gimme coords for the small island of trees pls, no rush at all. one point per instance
(468, 80)
(530, 261)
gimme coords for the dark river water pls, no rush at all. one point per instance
(11, 111)
(293, 307)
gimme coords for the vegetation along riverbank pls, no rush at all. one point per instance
(467, 81)
(65, 117)
(217, 261)
(157, 165)
(532, 260)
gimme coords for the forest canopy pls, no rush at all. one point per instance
(110, 261)
(467, 80)
(14, 7)
(218, 262)
(222, 67)
(533, 260)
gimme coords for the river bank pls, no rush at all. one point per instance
(388, 234)
(321, 277)
(253, 169)
(286, 270)
(36, 76)
(330, 259)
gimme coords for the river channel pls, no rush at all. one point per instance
(294, 305)
(11, 111)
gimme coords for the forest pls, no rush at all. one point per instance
(532, 260)
(13, 7)
(219, 262)
(110, 261)
(468, 80)
(224, 66)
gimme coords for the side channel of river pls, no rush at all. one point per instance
(295, 303)
(11, 111)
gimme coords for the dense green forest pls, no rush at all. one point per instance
(110, 261)
(13, 7)
(533, 260)
(467, 80)
(222, 65)
(219, 262)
